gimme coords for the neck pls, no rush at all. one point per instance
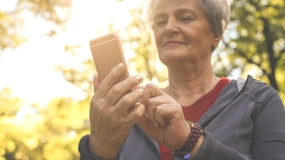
(189, 85)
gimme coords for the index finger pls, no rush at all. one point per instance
(152, 90)
(110, 80)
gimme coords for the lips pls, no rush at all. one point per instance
(173, 43)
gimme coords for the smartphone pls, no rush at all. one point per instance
(107, 52)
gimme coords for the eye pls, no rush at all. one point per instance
(186, 18)
(160, 22)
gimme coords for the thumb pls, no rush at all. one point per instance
(152, 90)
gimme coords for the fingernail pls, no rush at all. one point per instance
(155, 124)
(139, 77)
(120, 66)
(141, 90)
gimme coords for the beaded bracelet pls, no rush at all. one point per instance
(184, 151)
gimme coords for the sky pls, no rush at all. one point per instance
(28, 70)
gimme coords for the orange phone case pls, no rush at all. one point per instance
(107, 53)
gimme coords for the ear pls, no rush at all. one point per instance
(216, 39)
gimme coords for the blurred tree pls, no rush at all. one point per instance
(37, 132)
(66, 121)
(20, 132)
(255, 41)
(29, 131)
(11, 22)
(145, 58)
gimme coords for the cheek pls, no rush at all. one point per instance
(157, 37)
(204, 39)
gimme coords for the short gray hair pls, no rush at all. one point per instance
(217, 12)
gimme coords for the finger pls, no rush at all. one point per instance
(130, 119)
(110, 80)
(162, 113)
(96, 82)
(124, 104)
(138, 87)
(152, 98)
(152, 106)
(121, 89)
(153, 90)
(137, 113)
(151, 109)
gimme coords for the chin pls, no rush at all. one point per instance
(173, 55)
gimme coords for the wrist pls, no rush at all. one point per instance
(101, 151)
(193, 142)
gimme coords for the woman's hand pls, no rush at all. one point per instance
(111, 114)
(164, 120)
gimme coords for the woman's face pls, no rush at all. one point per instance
(182, 32)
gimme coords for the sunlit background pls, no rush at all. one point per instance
(46, 66)
(29, 69)
(44, 113)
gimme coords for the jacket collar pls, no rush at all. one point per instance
(232, 90)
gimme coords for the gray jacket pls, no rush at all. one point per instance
(247, 121)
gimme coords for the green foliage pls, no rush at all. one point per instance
(19, 132)
(66, 121)
(34, 132)
(55, 11)
(256, 38)
(10, 26)
(81, 73)
(11, 22)
(145, 59)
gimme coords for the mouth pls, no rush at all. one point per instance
(173, 43)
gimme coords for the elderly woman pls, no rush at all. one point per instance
(198, 115)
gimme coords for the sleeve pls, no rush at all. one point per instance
(212, 150)
(269, 128)
(268, 136)
(85, 153)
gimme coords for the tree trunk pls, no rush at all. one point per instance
(269, 41)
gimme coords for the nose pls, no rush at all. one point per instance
(171, 26)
